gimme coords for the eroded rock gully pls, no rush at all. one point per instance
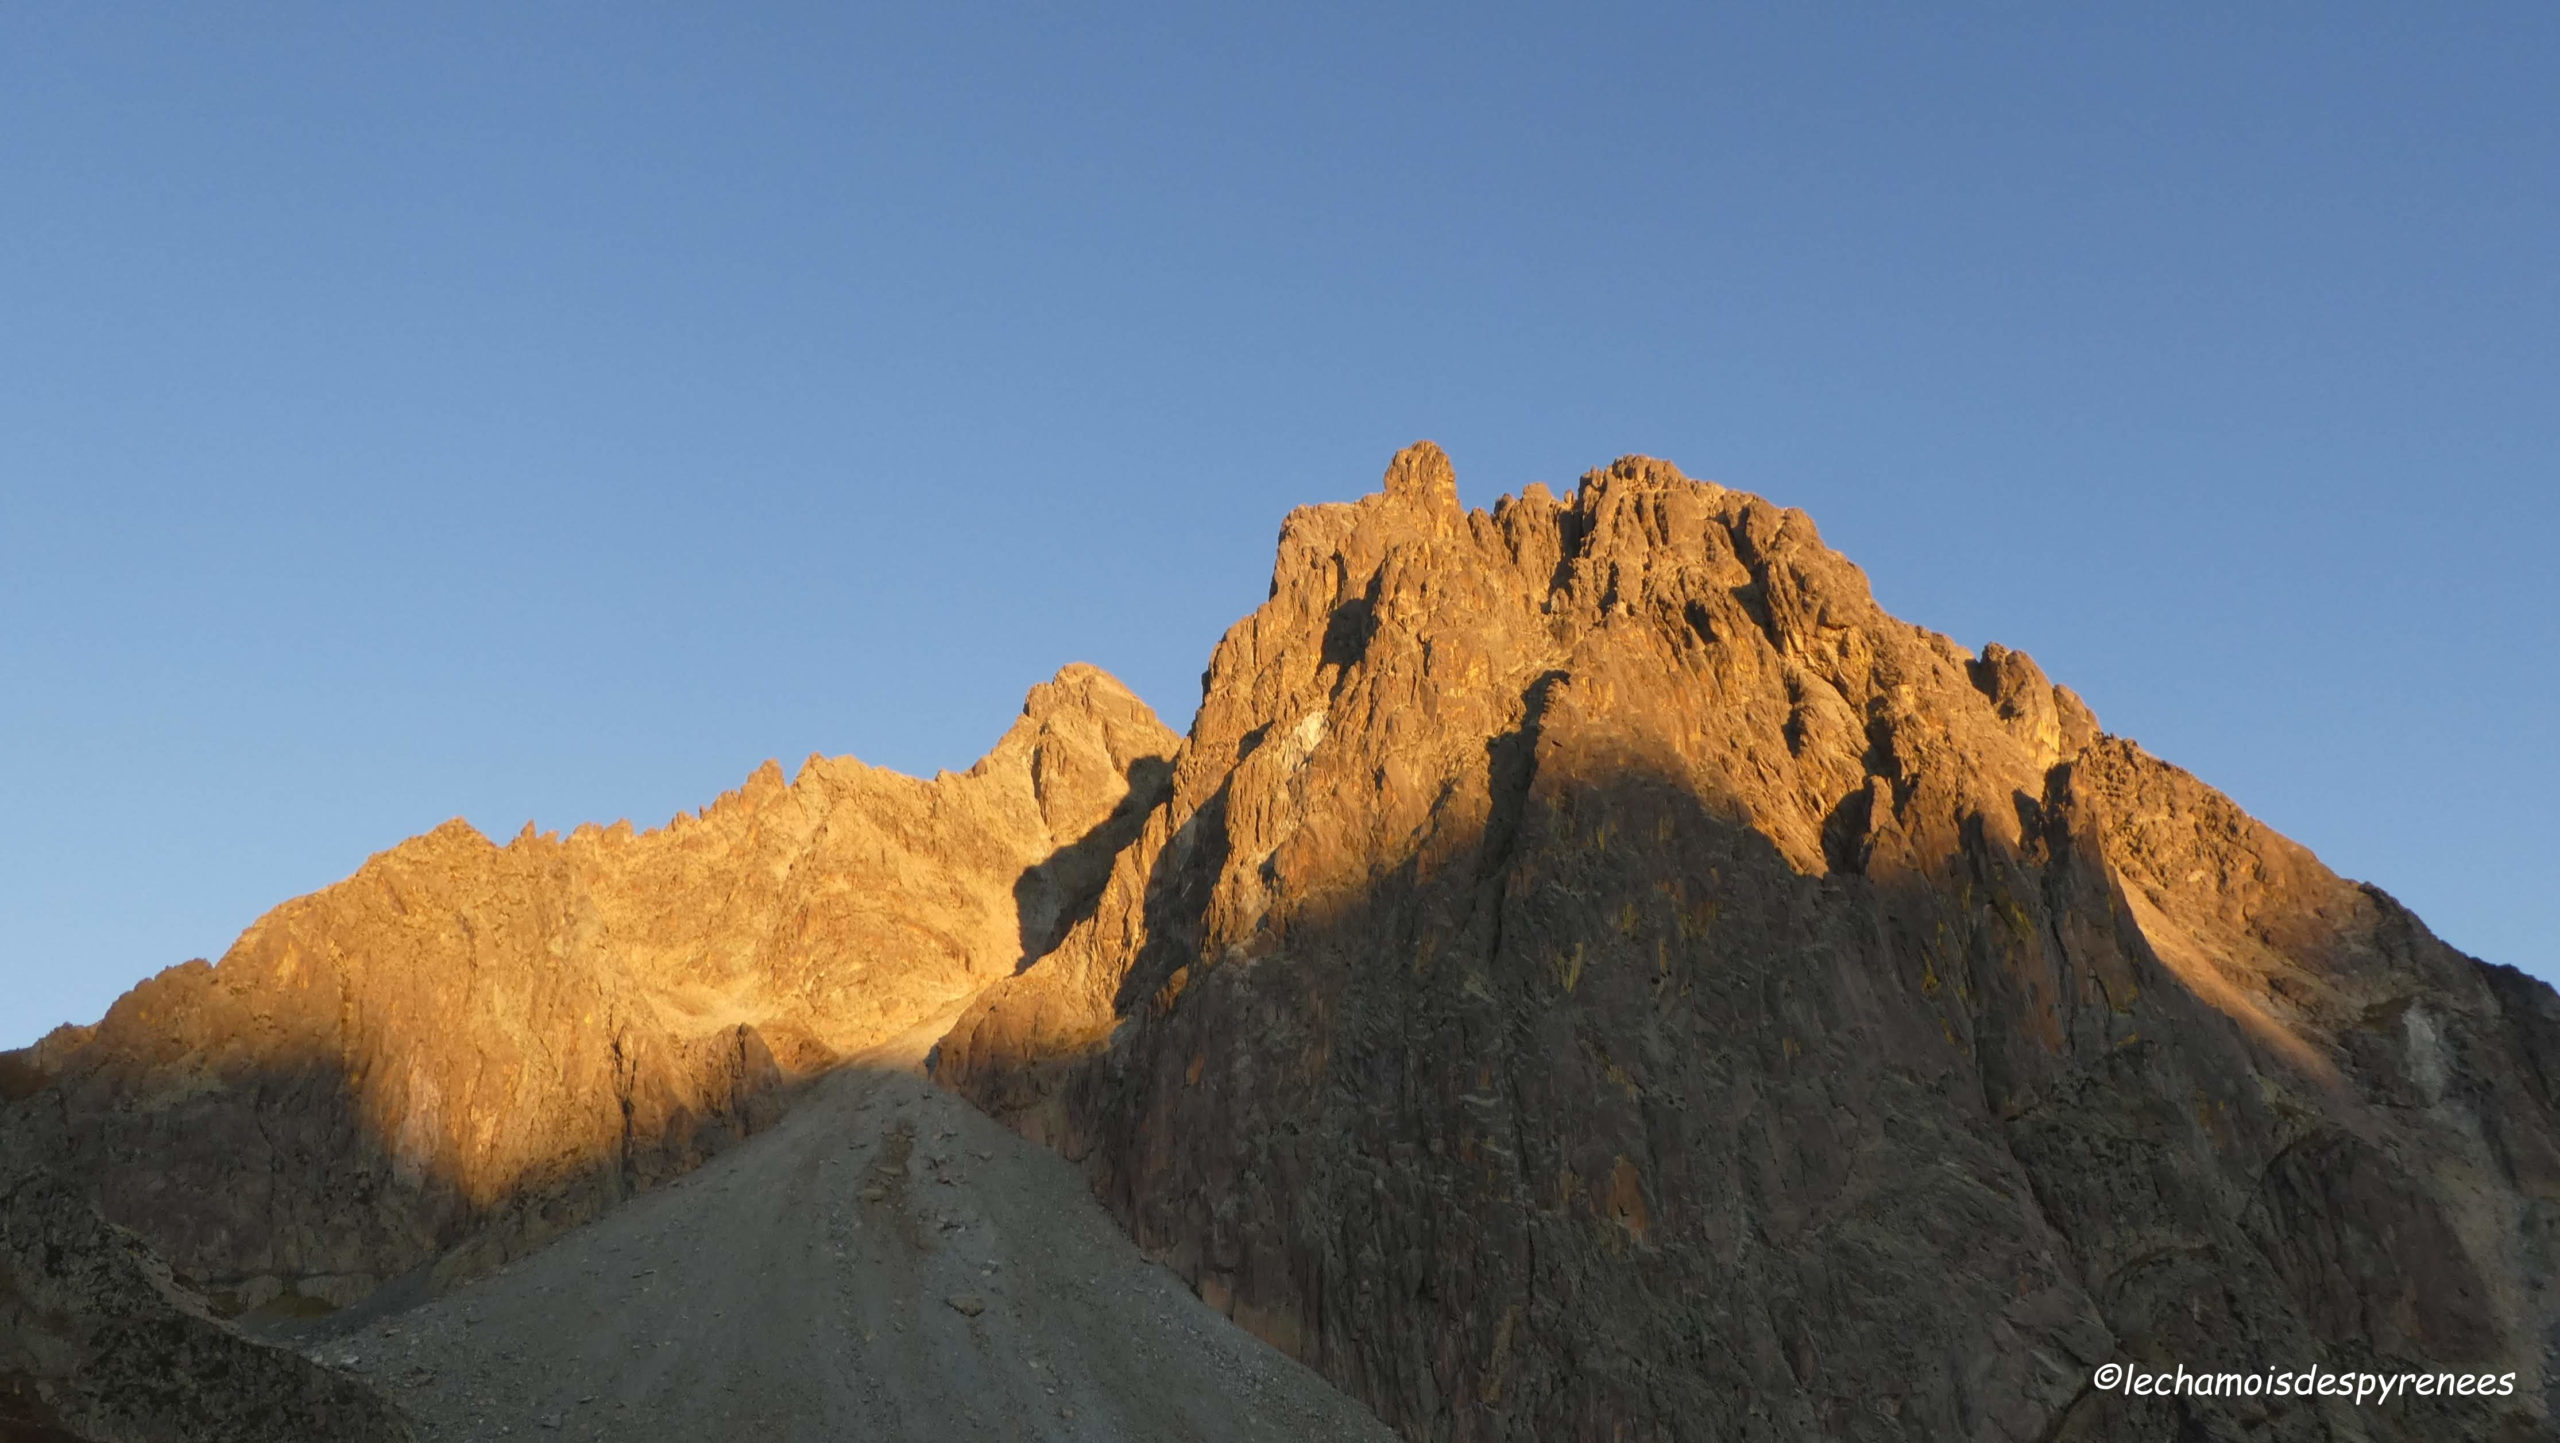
(1588, 973)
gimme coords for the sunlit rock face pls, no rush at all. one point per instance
(464, 1048)
(1589, 973)
(1597, 975)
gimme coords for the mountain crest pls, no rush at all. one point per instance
(1596, 930)
(1588, 972)
(463, 1048)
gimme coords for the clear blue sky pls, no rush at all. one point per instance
(552, 411)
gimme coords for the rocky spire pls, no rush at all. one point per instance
(1420, 476)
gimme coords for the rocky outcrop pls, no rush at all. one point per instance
(1597, 975)
(464, 1048)
(99, 1345)
(1589, 973)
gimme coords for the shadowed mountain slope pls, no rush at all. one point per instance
(1597, 975)
(1588, 974)
(465, 1048)
(97, 1342)
(883, 1264)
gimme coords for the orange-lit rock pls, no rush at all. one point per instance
(1597, 975)
(464, 1048)
(1588, 973)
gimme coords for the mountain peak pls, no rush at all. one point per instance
(1585, 930)
(1420, 475)
(1079, 686)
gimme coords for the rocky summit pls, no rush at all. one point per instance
(1588, 973)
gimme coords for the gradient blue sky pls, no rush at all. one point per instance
(552, 411)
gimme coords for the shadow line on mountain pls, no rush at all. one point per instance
(290, 1150)
(1513, 1034)
(1061, 890)
(282, 1180)
(1475, 1135)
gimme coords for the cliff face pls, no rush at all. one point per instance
(465, 1048)
(1597, 975)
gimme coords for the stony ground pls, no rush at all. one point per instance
(884, 1264)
